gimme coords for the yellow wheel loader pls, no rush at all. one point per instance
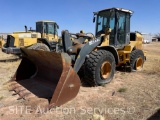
(2, 42)
(45, 37)
(53, 75)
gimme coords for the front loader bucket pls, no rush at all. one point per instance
(46, 75)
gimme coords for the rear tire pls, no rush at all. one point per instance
(99, 67)
(137, 60)
(39, 46)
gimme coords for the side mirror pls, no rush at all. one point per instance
(57, 26)
(94, 18)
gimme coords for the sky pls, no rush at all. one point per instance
(75, 15)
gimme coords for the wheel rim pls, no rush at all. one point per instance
(105, 70)
(139, 63)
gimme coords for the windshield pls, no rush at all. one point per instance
(102, 22)
(49, 27)
(106, 19)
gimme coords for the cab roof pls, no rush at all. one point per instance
(119, 9)
(46, 21)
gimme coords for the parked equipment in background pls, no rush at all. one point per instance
(147, 38)
(53, 75)
(146, 41)
(2, 42)
(45, 37)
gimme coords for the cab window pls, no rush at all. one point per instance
(50, 28)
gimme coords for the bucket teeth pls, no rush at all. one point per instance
(28, 96)
(19, 98)
(23, 93)
(12, 82)
(13, 86)
(23, 96)
(18, 89)
(15, 93)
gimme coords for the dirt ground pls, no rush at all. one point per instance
(130, 96)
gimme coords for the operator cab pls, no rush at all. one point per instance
(118, 20)
(47, 28)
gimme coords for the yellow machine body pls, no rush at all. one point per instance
(124, 54)
(2, 42)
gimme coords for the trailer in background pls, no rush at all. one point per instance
(147, 38)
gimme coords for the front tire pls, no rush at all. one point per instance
(39, 46)
(100, 67)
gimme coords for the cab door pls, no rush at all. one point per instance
(123, 28)
(52, 34)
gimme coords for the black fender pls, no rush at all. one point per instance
(112, 50)
(45, 41)
(85, 50)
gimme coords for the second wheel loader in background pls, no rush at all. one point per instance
(53, 75)
(45, 37)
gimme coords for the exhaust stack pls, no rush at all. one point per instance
(26, 28)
